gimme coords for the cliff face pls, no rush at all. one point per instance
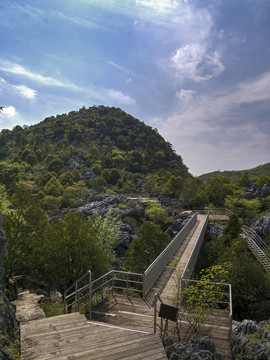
(9, 328)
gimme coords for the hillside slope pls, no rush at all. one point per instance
(235, 174)
(99, 149)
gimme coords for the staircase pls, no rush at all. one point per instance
(71, 336)
(257, 246)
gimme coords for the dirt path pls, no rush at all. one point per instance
(27, 307)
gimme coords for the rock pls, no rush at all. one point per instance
(4, 355)
(262, 226)
(246, 327)
(198, 349)
(243, 347)
(178, 224)
(253, 191)
(98, 204)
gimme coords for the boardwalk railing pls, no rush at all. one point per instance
(85, 293)
(20, 282)
(258, 247)
(152, 273)
(187, 272)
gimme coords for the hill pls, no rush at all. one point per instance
(96, 150)
(236, 174)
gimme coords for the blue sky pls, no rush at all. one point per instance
(197, 70)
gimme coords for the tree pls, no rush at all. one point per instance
(143, 250)
(202, 302)
(54, 187)
(108, 234)
(263, 179)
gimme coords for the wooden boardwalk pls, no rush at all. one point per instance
(122, 327)
(71, 336)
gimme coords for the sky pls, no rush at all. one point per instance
(197, 70)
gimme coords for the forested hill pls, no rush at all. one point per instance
(235, 174)
(101, 148)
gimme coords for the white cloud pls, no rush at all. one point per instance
(17, 69)
(25, 91)
(119, 67)
(77, 20)
(215, 129)
(185, 95)
(8, 112)
(193, 61)
(120, 97)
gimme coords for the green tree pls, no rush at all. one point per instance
(149, 244)
(263, 179)
(54, 187)
(108, 234)
(158, 215)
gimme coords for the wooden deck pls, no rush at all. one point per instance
(122, 327)
(71, 336)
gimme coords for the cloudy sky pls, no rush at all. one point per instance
(197, 70)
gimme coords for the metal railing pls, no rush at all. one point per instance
(215, 211)
(20, 282)
(187, 272)
(85, 293)
(257, 246)
(250, 233)
(152, 273)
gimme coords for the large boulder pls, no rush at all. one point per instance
(197, 349)
(251, 340)
(253, 191)
(9, 328)
(262, 226)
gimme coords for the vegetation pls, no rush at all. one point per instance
(50, 169)
(234, 175)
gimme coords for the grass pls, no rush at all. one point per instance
(52, 309)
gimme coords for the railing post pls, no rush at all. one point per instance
(90, 295)
(76, 296)
(155, 313)
(102, 289)
(127, 285)
(65, 300)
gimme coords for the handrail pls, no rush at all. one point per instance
(194, 254)
(254, 236)
(92, 292)
(155, 269)
(27, 283)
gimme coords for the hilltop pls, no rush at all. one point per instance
(99, 149)
(233, 175)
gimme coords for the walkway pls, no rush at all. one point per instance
(71, 336)
(110, 335)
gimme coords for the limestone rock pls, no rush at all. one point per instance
(262, 226)
(198, 349)
(251, 340)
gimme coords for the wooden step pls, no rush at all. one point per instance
(70, 336)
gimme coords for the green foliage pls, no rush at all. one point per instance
(246, 209)
(58, 251)
(108, 231)
(158, 215)
(143, 250)
(232, 230)
(54, 187)
(235, 175)
(202, 300)
(263, 179)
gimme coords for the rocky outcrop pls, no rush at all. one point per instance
(98, 204)
(254, 191)
(198, 349)
(251, 340)
(9, 328)
(262, 226)
(179, 222)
